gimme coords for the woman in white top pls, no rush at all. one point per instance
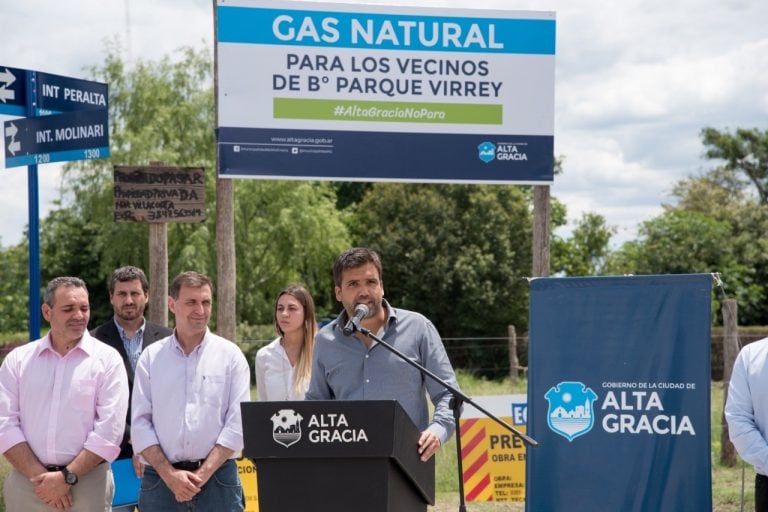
(283, 367)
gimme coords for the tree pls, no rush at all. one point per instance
(747, 243)
(584, 253)
(13, 293)
(350, 192)
(745, 154)
(680, 242)
(712, 228)
(286, 231)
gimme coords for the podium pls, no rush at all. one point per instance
(340, 456)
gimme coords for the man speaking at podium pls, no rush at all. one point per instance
(354, 367)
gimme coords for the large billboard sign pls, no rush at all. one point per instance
(376, 93)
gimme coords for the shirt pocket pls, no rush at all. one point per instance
(213, 389)
(83, 395)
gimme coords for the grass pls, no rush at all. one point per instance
(726, 482)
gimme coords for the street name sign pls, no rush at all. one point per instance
(79, 135)
(57, 93)
(54, 93)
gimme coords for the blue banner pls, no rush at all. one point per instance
(619, 394)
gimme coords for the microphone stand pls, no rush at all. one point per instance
(457, 399)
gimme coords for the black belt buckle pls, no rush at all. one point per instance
(188, 465)
(53, 467)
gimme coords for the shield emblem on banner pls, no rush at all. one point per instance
(286, 427)
(486, 151)
(570, 412)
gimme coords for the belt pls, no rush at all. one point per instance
(188, 465)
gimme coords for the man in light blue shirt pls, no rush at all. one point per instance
(746, 411)
(355, 368)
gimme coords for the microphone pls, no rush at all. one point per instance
(361, 311)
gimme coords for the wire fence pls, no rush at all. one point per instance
(482, 356)
(489, 356)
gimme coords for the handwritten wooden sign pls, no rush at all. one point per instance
(159, 194)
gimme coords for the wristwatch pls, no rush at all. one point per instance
(69, 477)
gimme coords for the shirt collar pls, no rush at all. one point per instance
(86, 344)
(121, 331)
(175, 341)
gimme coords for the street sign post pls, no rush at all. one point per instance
(66, 119)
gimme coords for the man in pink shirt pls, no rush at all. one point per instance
(63, 401)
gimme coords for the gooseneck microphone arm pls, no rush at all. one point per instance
(457, 399)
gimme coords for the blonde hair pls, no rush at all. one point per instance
(304, 364)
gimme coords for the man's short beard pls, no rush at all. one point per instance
(122, 316)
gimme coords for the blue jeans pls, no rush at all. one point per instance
(124, 508)
(221, 493)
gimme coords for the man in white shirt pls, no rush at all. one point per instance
(186, 409)
(746, 411)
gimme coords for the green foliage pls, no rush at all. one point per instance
(13, 294)
(285, 231)
(745, 156)
(350, 192)
(678, 242)
(456, 253)
(584, 253)
(716, 226)
(719, 224)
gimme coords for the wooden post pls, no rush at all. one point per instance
(226, 266)
(158, 269)
(225, 258)
(514, 364)
(730, 351)
(541, 214)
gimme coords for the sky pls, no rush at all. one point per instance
(636, 81)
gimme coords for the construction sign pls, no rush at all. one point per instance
(493, 458)
(247, 472)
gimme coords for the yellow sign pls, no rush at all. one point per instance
(247, 472)
(493, 458)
